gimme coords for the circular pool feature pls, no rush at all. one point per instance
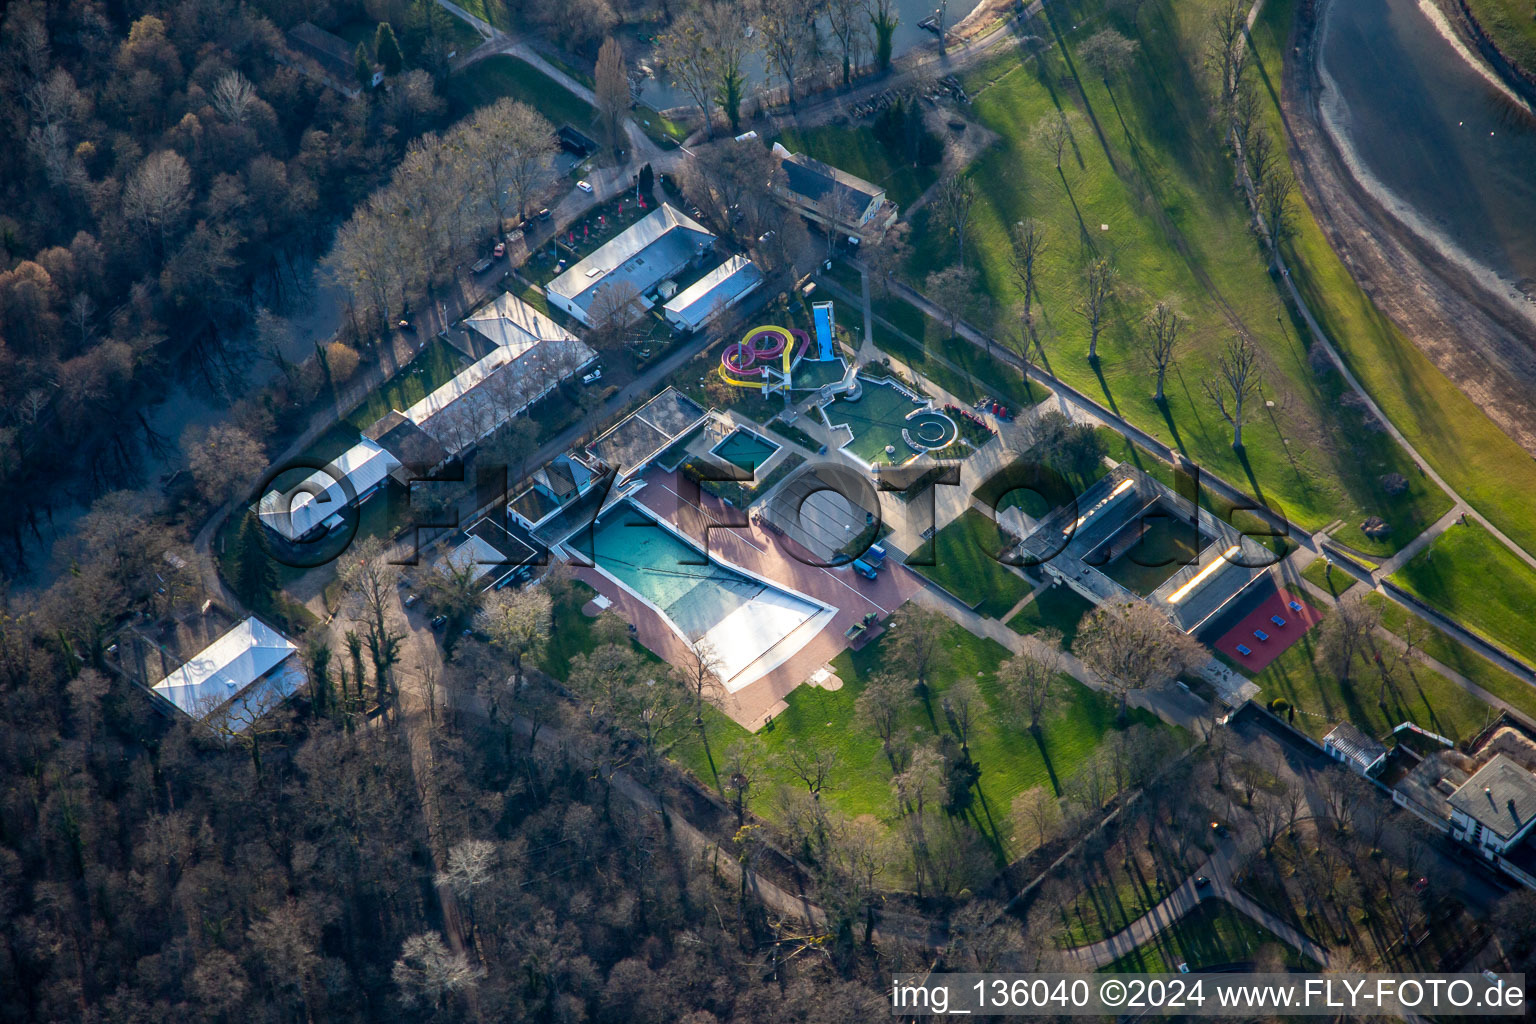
(929, 431)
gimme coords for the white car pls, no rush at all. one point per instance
(593, 377)
(584, 185)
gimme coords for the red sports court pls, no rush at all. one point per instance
(1265, 633)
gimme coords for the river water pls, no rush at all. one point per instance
(657, 93)
(1435, 136)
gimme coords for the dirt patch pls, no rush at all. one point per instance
(1472, 337)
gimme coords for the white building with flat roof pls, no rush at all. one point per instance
(235, 680)
(317, 501)
(714, 293)
(658, 246)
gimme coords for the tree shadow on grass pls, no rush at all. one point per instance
(1098, 371)
(1173, 428)
(1045, 759)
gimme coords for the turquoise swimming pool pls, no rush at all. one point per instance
(749, 624)
(693, 591)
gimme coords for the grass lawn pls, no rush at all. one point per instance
(1147, 185)
(1488, 469)
(855, 150)
(1511, 24)
(964, 564)
(1011, 761)
(1059, 608)
(1423, 696)
(1210, 935)
(489, 80)
(1467, 574)
(1457, 656)
(958, 367)
(435, 365)
(1335, 583)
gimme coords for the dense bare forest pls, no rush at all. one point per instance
(148, 874)
(170, 170)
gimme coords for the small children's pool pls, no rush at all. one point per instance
(745, 449)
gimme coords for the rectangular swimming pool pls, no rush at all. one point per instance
(745, 449)
(741, 616)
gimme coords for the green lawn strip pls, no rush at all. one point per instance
(957, 366)
(1105, 908)
(1011, 761)
(1335, 583)
(434, 366)
(1473, 455)
(1467, 574)
(854, 149)
(964, 563)
(1210, 935)
(490, 11)
(1511, 25)
(1457, 656)
(489, 80)
(793, 433)
(1059, 608)
(1321, 700)
(1176, 230)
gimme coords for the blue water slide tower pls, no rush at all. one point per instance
(822, 313)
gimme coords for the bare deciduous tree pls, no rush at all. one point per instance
(789, 38)
(1097, 287)
(1345, 634)
(1053, 132)
(428, 974)
(850, 28)
(1109, 53)
(158, 192)
(1133, 647)
(956, 197)
(1161, 333)
(1029, 681)
(1239, 377)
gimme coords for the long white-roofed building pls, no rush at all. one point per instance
(532, 355)
(659, 246)
(714, 293)
(240, 677)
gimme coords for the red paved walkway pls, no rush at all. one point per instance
(1262, 652)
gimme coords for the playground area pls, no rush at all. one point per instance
(888, 424)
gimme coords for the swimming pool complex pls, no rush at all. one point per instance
(885, 415)
(744, 618)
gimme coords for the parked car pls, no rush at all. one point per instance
(1201, 882)
(1220, 829)
(593, 377)
(480, 266)
(544, 213)
(405, 325)
(584, 185)
(439, 622)
(500, 250)
(411, 599)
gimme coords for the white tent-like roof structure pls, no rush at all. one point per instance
(301, 509)
(238, 678)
